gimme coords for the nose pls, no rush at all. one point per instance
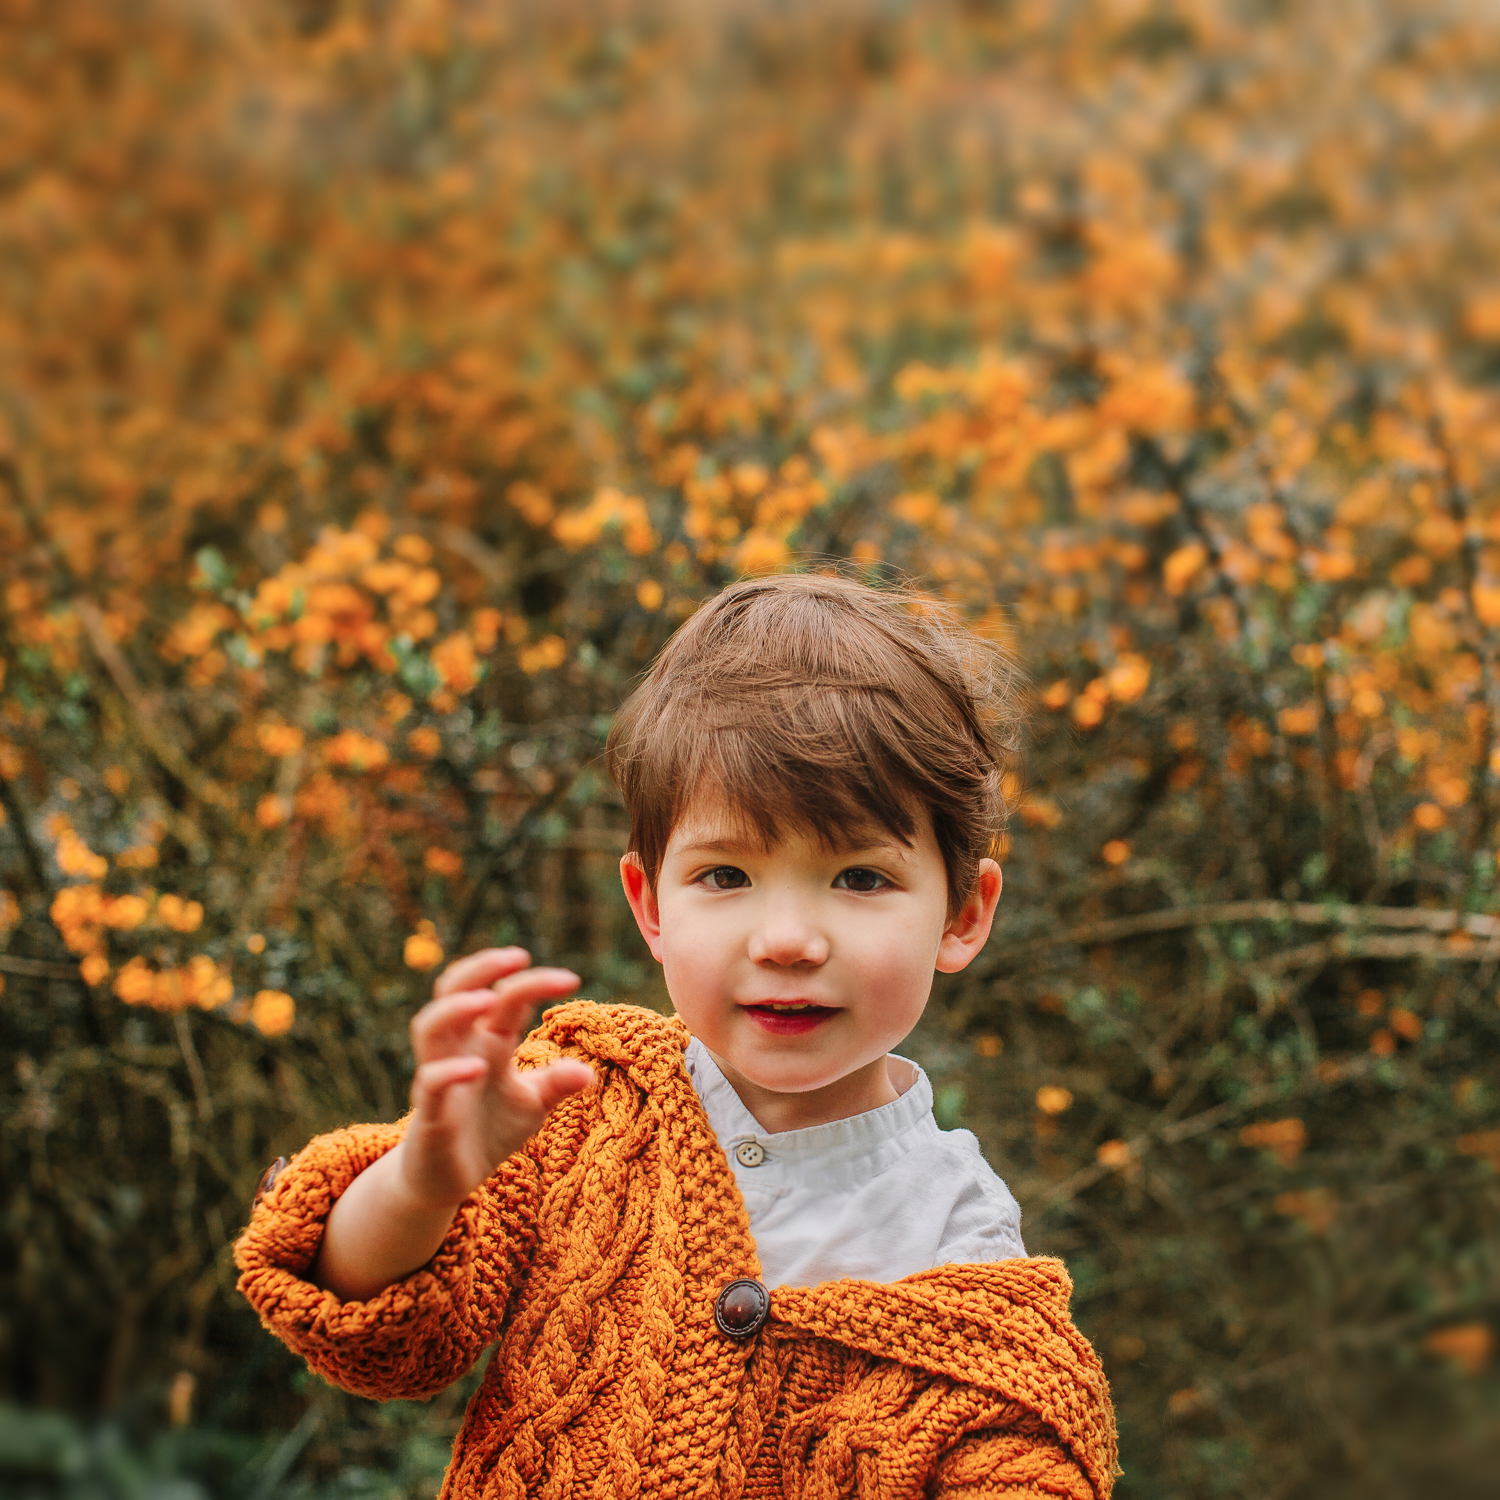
(785, 936)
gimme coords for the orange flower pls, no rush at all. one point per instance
(413, 548)
(1128, 679)
(1302, 719)
(1484, 1144)
(1428, 816)
(1468, 1345)
(549, 652)
(1284, 1139)
(1486, 597)
(1041, 812)
(180, 915)
(443, 862)
(279, 740)
(1183, 566)
(136, 983)
(272, 1012)
(355, 751)
(272, 811)
(1405, 1024)
(1088, 710)
(423, 950)
(456, 662)
(74, 857)
(1316, 1208)
(126, 912)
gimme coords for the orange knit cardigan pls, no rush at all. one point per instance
(594, 1255)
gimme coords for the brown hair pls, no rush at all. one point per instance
(815, 701)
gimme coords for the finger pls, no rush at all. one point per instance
(449, 1024)
(433, 1083)
(480, 969)
(443, 1026)
(520, 992)
(560, 1080)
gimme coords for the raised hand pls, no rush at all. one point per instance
(471, 1108)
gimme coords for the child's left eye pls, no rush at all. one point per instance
(859, 879)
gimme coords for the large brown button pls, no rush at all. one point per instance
(741, 1309)
(268, 1181)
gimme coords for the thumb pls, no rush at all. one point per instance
(558, 1080)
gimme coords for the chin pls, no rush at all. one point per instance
(787, 1080)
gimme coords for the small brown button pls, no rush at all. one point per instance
(268, 1181)
(741, 1309)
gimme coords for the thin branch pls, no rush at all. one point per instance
(1354, 945)
(171, 758)
(36, 968)
(1182, 1130)
(478, 554)
(499, 857)
(1303, 913)
(16, 816)
(194, 1066)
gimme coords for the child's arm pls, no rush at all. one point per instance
(471, 1109)
(386, 1254)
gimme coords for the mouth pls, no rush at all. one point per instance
(789, 1017)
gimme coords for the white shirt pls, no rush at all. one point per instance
(876, 1197)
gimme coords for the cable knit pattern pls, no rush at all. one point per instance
(593, 1256)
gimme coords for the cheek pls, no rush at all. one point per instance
(896, 956)
(692, 949)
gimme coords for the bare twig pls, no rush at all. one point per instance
(194, 1066)
(147, 716)
(37, 968)
(1303, 913)
(482, 558)
(1355, 945)
(1182, 1130)
(15, 816)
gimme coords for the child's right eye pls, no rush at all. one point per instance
(725, 878)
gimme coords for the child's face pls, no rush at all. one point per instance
(800, 965)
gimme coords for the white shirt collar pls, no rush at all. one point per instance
(840, 1154)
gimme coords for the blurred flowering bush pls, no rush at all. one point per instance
(381, 385)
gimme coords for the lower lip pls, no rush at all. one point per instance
(782, 1023)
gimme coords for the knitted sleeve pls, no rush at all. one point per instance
(1025, 1460)
(424, 1331)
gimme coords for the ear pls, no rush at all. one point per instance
(642, 901)
(969, 928)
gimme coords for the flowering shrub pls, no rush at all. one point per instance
(386, 382)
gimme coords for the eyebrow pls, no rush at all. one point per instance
(732, 846)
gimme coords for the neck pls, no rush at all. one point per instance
(855, 1093)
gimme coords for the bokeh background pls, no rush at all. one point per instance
(382, 381)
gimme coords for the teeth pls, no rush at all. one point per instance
(787, 1008)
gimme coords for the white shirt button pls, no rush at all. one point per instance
(750, 1153)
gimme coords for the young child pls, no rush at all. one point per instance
(728, 1254)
